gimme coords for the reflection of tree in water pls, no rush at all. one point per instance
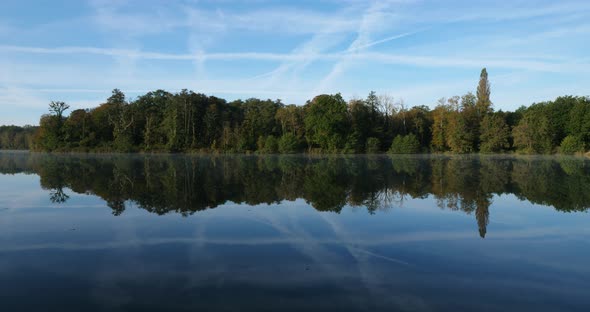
(118, 206)
(482, 215)
(57, 196)
(54, 180)
(185, 185)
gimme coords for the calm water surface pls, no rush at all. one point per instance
(294, 233)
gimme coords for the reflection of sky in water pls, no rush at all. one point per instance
(288, 256)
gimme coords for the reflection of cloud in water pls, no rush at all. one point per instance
(355, 232)
(432, 236)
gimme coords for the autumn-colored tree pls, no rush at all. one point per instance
(462, 130)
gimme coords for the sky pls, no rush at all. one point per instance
(417, 51)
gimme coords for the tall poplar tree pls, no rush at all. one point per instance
(483, 104)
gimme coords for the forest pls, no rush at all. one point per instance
(190, 122)
(17, 138)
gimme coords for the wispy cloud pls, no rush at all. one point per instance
(19, 97)
(372, 18)
(288, 72)
(109, 16)
(350, 55)
(417, 49)
(112, 15)
(492, 11)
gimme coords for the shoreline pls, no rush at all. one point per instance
(216, 154)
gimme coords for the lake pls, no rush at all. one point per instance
(294, 233)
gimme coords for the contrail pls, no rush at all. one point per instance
(370, 44)
(380, 256)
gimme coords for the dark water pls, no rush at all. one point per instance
(293, 233)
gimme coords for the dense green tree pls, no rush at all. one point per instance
(212, 124)
(51, 134)
(270, 145)
(122, 118)
(47, 138)
(361, 123)
(558, 116)
(153, 105)
(440, 127)
(571, 144)
(289, 144)
(375, 127)
(494, 134)
(77, 129)
(472, 119)
(354, 144)
(373, 145)
(579, 120)
(102, 129)
(259, 120)
(532, 134)
(326, 122)
(459, 140)
(290, 119)
(420, 122)
(407, 144)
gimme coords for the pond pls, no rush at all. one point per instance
(293, 233)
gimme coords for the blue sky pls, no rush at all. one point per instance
(415, 50)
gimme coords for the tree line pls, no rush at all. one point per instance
(185, 185)
(17, 138)
(186, 121)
